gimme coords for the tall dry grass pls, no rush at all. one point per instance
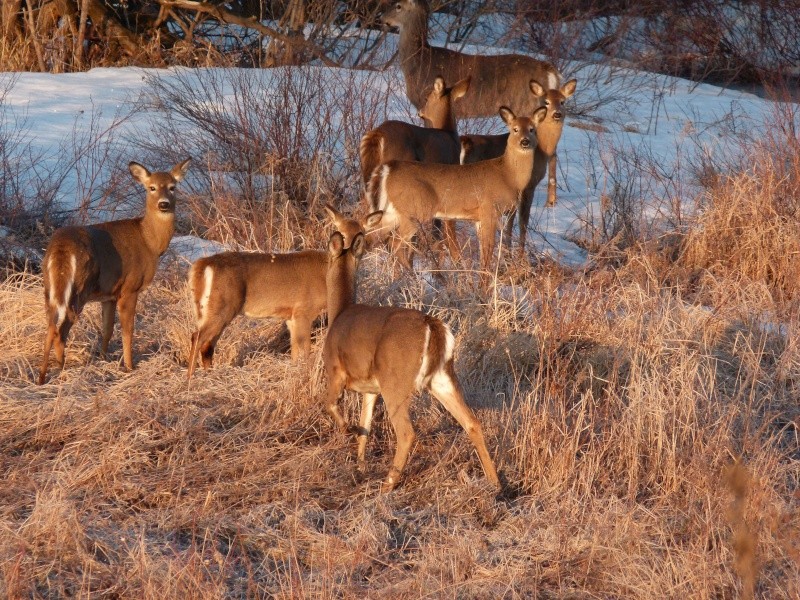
(614, 406)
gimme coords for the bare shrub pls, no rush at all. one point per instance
(276, 145)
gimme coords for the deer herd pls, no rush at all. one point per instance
(411, 175)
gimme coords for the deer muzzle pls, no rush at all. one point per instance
(164, 205)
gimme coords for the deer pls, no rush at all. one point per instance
(437, 142)
(496, 79)
(288, 286)
(411, 193)
(476, 148)
(390, 351)
(110, 263)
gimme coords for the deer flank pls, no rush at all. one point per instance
(393, 352)
(497, 80)
(110, 263)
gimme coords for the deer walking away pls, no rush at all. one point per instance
(393, 352)
(110, 263)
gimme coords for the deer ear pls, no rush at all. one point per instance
(438, 85)
(537, 88)
(461, 88)
(334, 214)
(373, 220)
(139, 173)
(539, 114)
(569, 88)
(336, 245)
(506, 114)
(179, 171)
(358, 245)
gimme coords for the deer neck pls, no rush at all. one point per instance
(341, 283)
(547, 135)
(518, 167)
(413, 42)
(157, 229)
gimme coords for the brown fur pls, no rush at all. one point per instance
(285, 286)
(497, 80)
(475, 148)
(382, 350)
(412, 193)
(113, 263)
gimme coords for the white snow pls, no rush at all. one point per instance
(662, 117)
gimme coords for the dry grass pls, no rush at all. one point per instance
(614, 407)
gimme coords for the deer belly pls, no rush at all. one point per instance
(364, 386)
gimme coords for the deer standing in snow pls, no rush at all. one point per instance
(411, 193)
(110, 263)
(497, 80)
(476, 148)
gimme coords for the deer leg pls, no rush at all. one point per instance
(525, 202)
(508, 228)
(451, 239)
(207, 337)
(551, 180)
(397, 407)
(52, 333)
(486, 231)
(126, 305)
(193, 354)
(300, 336)
(445, 388)
(401, 244)
(336, 381)
(108, 325)
(365, 426)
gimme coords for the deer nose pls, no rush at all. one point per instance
(557, 116)
(163, 205)
(525, 142)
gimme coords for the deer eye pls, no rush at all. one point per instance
(152, 188)
(171, 188)
(516, 129)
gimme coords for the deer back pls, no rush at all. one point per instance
(260, 284)
(424, 191)
(496, 80)
(397, 140)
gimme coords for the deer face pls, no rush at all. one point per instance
(522, 130)
(160, 187)
(437, 111)
(403, 10)
(553, 99)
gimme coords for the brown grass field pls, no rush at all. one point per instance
(644, 416)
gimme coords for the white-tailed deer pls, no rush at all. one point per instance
(497, 80)
(476, 148)
(411, 193)
(437, 142)
(287, 286)
(391, 351)
(110, 263)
